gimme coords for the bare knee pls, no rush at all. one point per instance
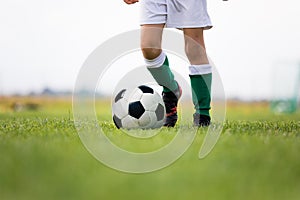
(151, 36)
(150, 46)
(194, 46)
(151, 53)
(195, 52)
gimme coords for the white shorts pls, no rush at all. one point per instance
(175, 13)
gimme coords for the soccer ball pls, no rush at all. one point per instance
(141, 108)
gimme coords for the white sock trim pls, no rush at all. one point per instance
(156, 62)
(200, 69)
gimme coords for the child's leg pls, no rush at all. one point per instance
(156, 60)
(158, 65)
(200, 74)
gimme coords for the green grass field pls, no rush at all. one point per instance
(42, 157)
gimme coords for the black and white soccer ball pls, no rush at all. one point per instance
(141, 108)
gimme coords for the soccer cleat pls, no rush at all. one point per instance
(201, 120)
(171, 100)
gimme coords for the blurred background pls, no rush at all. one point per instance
(43, 44)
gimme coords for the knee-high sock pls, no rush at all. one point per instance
(160, 70)
(201, 78)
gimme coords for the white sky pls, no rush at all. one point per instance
(45, 42)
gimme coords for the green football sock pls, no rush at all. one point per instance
(201, 86)
(164, 76)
